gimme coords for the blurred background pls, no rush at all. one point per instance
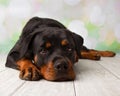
(98, 21)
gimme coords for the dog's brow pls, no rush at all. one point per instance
(64, 42)
(48, 45)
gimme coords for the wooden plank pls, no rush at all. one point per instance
(118, 55)
(2, 67)
(94, 80)
(46, 88)
(9, 82)
(112, 64)
(2, 62)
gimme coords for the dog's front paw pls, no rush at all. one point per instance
(30, 73)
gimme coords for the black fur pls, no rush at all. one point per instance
(24, 48)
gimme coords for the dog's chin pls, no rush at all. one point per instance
(60, 78)
(50, 74)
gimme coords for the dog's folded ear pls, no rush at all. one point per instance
(28, 34)
(30, 26)
(22, 45)
(78, 40)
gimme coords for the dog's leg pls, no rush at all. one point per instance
(90, 55)
(28, 71)
(104, 53)
(95, 54)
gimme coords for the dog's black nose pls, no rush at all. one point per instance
(61, 66)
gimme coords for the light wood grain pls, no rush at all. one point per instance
(9, 82)
(46, 88)
(94, 78)
(2, 62)
(112, 65)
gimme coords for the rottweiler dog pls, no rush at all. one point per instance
(47, 49)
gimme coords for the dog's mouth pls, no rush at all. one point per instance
(52, 75)
(58, 71)
(64, 78)
(59, 78)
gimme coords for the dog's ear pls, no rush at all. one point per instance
(22, 45)
(78, 40)
(28, 34)
(30, 26)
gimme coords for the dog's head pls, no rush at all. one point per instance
(54, 50)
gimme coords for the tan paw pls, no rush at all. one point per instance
(30, 74)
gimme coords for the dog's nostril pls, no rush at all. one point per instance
(65, 67)
(58, 67)
(61, 66)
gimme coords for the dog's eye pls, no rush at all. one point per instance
(43, 51)
(68, 49)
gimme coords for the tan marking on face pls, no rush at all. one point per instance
(76, 56)
(71, 72)
(64, 42)
(48, 45)
(48, 71)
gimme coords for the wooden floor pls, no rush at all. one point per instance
(94, 78)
